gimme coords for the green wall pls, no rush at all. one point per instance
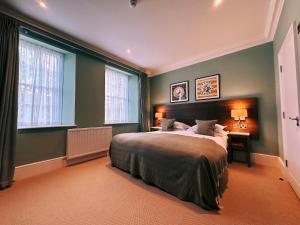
(290, 13)
(243, 74)
(41, 144)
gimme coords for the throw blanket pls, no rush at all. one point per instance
(193, 169)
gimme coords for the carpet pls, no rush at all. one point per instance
(94, 193)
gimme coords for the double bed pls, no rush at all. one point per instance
(189, 166)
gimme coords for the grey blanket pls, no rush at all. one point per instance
(190, 168)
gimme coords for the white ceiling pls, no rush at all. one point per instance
(163, 35)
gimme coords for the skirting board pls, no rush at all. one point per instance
(266, 160)
(289, 177)
(85, 158)
(38, 168)
(275, 161)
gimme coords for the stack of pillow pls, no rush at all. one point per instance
(204, 127)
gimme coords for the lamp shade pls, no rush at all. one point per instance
(239, 113)
(158, 115)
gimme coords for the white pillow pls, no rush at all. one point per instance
(192, 129)
(219, 127)
(219, 130)
(180, 126)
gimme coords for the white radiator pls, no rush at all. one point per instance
(87, 141)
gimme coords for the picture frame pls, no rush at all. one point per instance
(179, 92)
(207, 87)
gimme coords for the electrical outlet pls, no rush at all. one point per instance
(243, 126)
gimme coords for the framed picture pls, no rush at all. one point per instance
(208, 87)
(179, 92)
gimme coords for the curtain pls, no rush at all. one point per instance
(116, 96)
(9, 64)
(40, 85)
(144, 103)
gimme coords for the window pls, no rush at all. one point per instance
(41, 85)
(121, 97)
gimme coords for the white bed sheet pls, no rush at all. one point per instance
(220, 140)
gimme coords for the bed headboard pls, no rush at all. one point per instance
(219, 110)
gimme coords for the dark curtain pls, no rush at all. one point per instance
(144, 105)
(9, 64)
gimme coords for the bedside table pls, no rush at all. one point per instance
(155, 128)
(239, 141)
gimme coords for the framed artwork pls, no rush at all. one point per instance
(208, 87)
(179, 92)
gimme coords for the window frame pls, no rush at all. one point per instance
(138, 107)
(62, 124)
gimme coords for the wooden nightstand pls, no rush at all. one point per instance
(155, 128)
(239, 141)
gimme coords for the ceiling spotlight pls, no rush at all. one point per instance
(42, 4)
(217, 3)
(128, 50)
(132, 3)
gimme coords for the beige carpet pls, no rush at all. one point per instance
(93, 193)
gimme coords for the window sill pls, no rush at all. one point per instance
(46, 127)
(125, 123)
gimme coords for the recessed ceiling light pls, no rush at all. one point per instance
(42, 4)
(128, 50)
(217, 3)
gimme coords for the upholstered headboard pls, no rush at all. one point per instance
(219, 109)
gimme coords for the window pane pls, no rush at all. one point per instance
(40, 85)
(116, 96)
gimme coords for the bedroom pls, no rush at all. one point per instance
(197, 39)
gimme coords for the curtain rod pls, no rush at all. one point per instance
(47, 32)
